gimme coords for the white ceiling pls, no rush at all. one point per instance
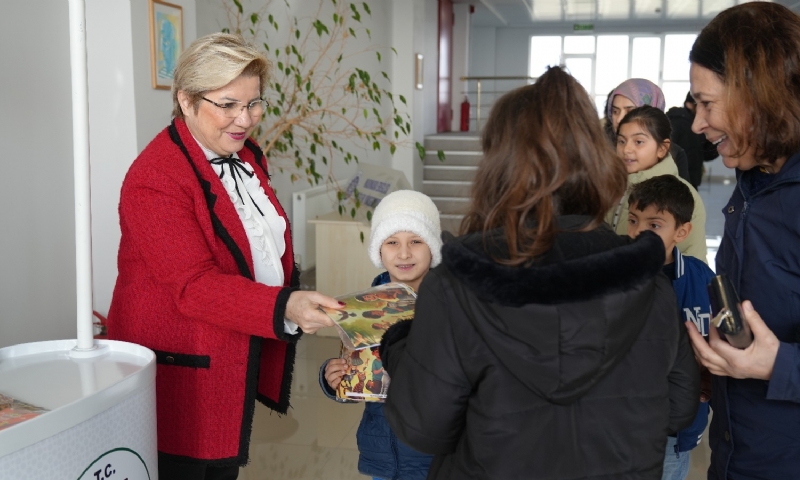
(526, 13)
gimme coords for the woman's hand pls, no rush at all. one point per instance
(755, 361)
(302, 310)
(334, 371)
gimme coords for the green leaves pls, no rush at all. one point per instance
(324, 105)
(356, 15)
(320, 27)
(420, 150)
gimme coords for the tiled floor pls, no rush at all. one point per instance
(316, 440)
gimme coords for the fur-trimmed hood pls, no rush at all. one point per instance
(562, 323)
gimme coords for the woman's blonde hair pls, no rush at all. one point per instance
(213, 61)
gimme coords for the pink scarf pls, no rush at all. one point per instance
(639, 91)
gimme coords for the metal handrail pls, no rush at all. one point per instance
(479, 79)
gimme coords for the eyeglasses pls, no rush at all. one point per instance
(234, 109)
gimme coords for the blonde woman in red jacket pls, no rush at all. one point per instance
(206, 272)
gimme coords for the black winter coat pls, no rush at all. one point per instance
(575, 367)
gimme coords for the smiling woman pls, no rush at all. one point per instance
(207, 278)
(211, 122)
(745, 76)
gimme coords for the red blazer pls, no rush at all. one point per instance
(185, 289)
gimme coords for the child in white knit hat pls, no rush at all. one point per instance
(405, 239)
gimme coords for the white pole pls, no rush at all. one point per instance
(80, 140)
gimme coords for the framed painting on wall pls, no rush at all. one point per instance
(166, 41)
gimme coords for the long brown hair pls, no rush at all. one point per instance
(544, 154)
(754, 48)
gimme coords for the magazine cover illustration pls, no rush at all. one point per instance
(369, 313)
(12, 411)
(365, 379)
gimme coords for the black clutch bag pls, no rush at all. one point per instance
(727, 313)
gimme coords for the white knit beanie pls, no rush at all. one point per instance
(406, 211)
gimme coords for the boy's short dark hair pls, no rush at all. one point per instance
(668, 194)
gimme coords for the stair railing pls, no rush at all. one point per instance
(478, 80)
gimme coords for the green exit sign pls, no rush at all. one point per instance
(583, 27)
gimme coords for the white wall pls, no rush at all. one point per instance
(37, 243)
(153, 107)
(426, 41)
(112, 132)
(402, 74)
(125, 113)
(37, 248)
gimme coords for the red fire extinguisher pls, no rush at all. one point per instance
(465, 114)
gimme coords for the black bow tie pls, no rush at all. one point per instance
(234, 164)
(236, 168)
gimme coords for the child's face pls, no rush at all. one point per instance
(638, 149)
(406, 257)
(662, 223)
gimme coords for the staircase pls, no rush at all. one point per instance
(448, 183)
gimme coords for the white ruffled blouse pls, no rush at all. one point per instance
(263, 225)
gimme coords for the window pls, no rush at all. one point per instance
(646, 58)
(602, 62)
(545, 51)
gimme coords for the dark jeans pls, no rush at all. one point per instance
(169, 469)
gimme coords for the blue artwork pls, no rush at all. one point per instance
(167, 43)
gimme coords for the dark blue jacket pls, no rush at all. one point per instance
(755, 430)
(380, 453)
(692, 277)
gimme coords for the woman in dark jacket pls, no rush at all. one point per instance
(745, 76)
(545, 345)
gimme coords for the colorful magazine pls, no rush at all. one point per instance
(365, 379)
(361, 324)
(12, 411)
(369, 313)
